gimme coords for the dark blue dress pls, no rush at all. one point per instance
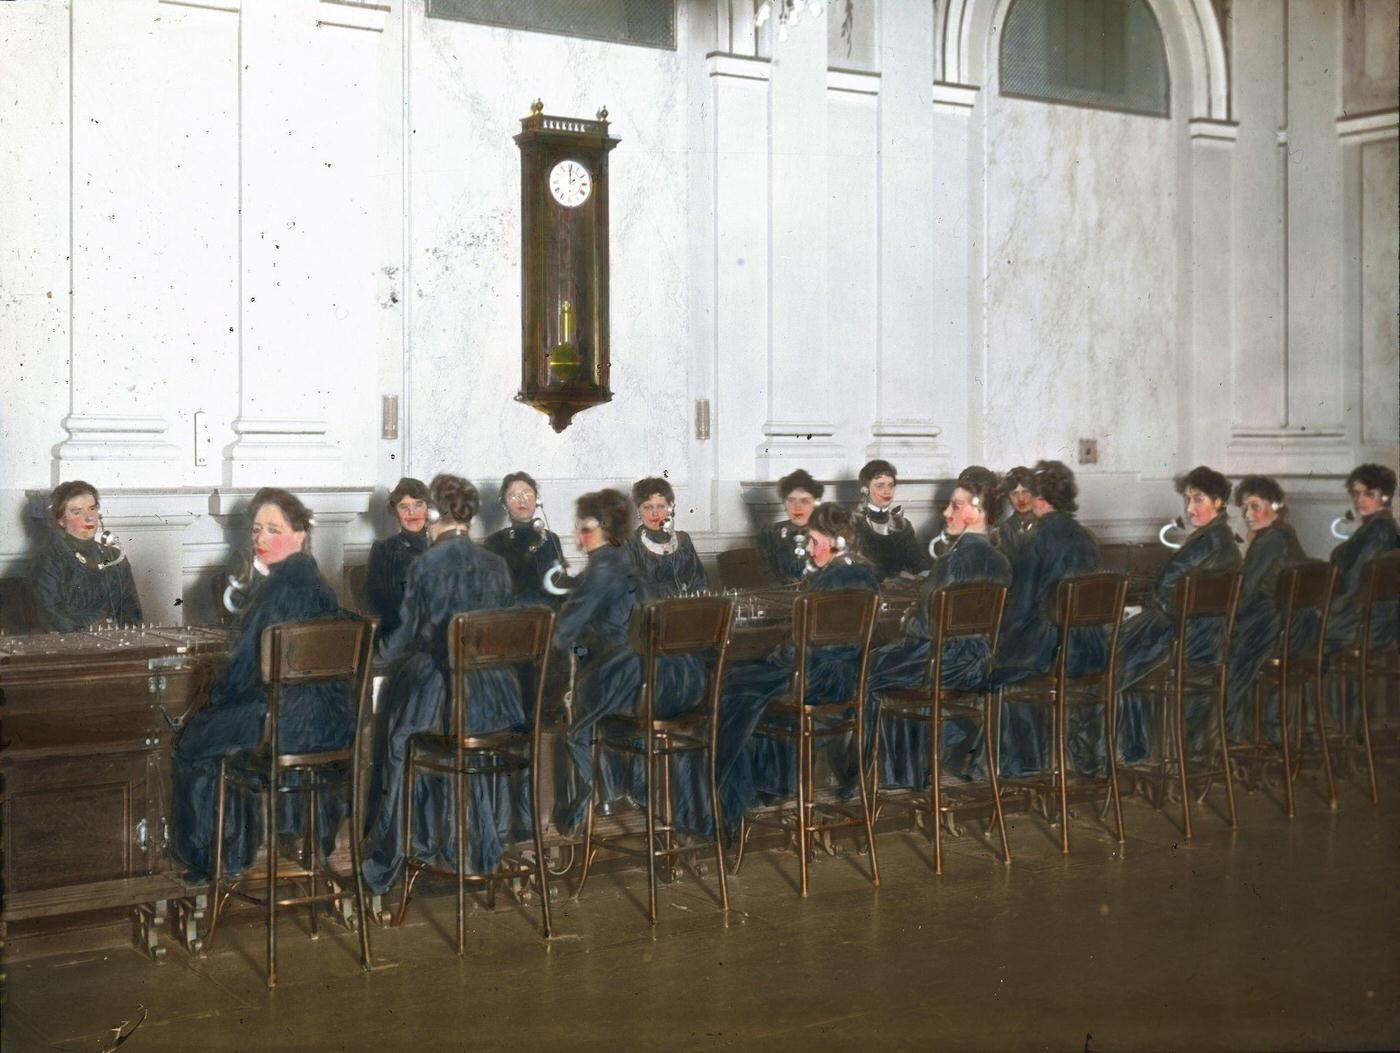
(594, 624)
(313, 717)
(749, 765)
(1147, 639)
(389, 560)
(529, 556)
(902, 663)
(1014, 534)
(1058, 548)
(778, 543)
(1258, 622)
(72, 594)
(668, 566)
(453, 576)
(1376, 536)
(888, 542)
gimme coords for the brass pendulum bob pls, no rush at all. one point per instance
(564, 361)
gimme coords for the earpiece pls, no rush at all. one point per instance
(840, 545)
(1276, 505)
(976, 501)
(433, 514)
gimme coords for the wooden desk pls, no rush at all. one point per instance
(88, 724)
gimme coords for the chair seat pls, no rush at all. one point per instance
(820, 714)
(923, 696)
(685, 733)
(249, 768)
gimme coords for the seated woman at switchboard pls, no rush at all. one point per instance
(314, 717)
(531, 550)
(1057, 548)
(455, 575)
(784, 545)
(1371, 488)
(390, 557)
(882, 535)
(664, 556)
(1273, 546)
(1147, 638)
(904, 662)
(81, 578)
(748, 766)
(1014, 531)
(593, 627)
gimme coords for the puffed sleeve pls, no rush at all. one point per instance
(128, 603)
(49, 585)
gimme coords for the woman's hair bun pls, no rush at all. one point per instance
(454, 497)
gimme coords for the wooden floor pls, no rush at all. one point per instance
(1283, 936)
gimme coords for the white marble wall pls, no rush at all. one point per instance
(1081, 306)
(231, 226)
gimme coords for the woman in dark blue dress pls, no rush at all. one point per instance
(313, 716)
(1058, 548)
(531, 550)
(80, 578)
(1273, 546)
(593, 627)
(784, 545)
(902, 663)
(749, 765)
(455, 575)
(883, 537)
(664, 556)
(1013, 532)
(390, 557)
(1372, 488)
(1147, 638)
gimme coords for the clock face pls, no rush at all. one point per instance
(570, 183)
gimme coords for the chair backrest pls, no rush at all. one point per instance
(688, 625)
(972, 609)
(1304, 591)
(1090, 601)
(841, 617)
(1381, 584)
(498, 639)
(743, 568)
(1207, 594)
(317, 651)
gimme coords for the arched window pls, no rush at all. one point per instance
(1102, 53)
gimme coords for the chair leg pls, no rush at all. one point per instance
(310, 856)
(1322, 741)
(650, 786)
(216, 899)
(719, 832)
(936, 785)
(1284, 738)
(1061, 762)
(1183, 777)
(541, 867)
(408, 780)
(1366, 734)
(361, 900)
(991, 704)
(743, 841)
(272, 850)
(588, 822)
(459, 785)
(667, 837)
(1225, 754)
(1111, 734)
(867, 806)
(804, 746)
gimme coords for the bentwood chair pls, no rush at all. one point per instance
(1303, 596)
(1364, 662)
(954, 612)
(1083, 605)
(840, 618)
(319, 651)
(674, 628)
(1201, 596)
(478, 641)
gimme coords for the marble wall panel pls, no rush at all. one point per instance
(1081, 315)
(468, 87)
(34, 226)
(1380, 301)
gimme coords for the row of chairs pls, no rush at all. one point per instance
(338, 649)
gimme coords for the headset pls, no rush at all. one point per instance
(237, 587)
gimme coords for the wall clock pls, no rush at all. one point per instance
(564, 365)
